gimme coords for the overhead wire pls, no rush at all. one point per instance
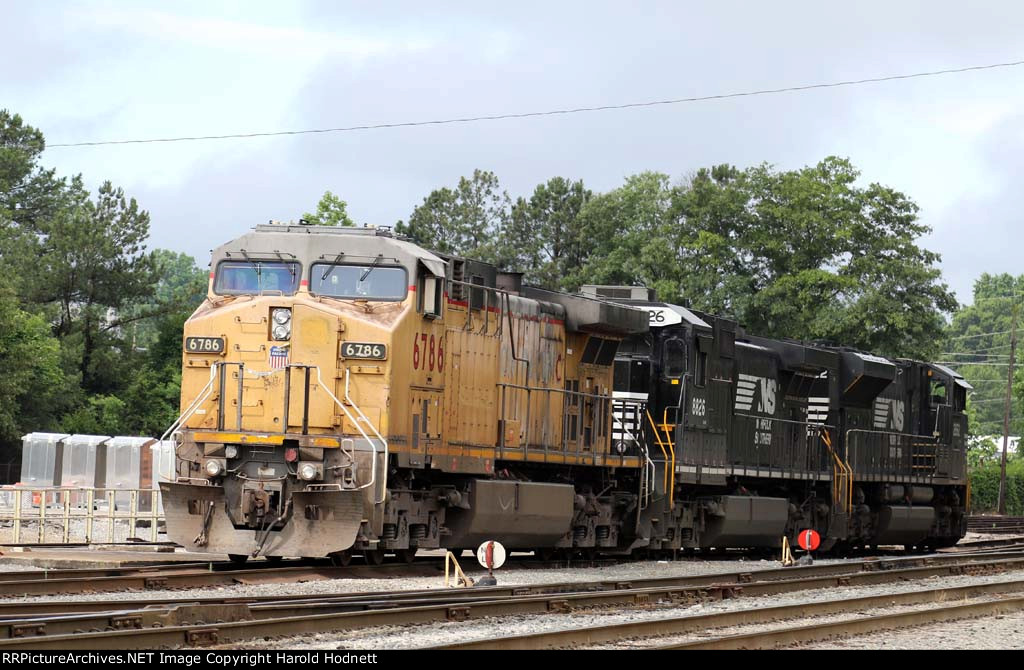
(551, 112)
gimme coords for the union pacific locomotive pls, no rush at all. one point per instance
(347, 392)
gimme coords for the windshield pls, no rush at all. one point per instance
(242, 277)
(359, 282)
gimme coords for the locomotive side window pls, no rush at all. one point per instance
(430, 292)
(255, 277)
(938, 393)
(674, 358)
(358, 282)
(959, 398)
(700, 369)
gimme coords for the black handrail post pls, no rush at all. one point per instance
(241, 391)
(287, 397)
(305, 404)
(220, 396)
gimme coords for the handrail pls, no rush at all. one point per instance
(376, 432)
(189, 411)
(657, 439)
(355, 422)
(201, 398)
(841, 471)
(643, 450)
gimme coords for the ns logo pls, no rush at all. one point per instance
(750, 388)
(889, 414)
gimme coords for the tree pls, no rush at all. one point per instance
(27, 191)
(543, 238)
(30, 360)
(803, 254)
(466, 220)
(330, 211)
(627, 231)
(180, 287)
(977, 344)
(90, 264)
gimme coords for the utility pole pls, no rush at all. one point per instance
(1006, 413)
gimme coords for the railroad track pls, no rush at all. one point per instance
(194, 622)
(205, 575)
(180, 575)
(701, 624)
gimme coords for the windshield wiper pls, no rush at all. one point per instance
(368, 270)
(290, 266)
(330, 268)
(256, 267)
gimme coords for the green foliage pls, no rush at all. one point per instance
(978, 346)
(466, 220)
(985, 487)
(808, 254)
(330, 211)
(30, 360)
(805, 254)
(100, 415)
(90, 321)
(543, 237)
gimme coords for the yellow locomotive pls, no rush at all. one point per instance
(345, 391)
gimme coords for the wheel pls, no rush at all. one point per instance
(374, 556)
(238, 559)
(406, 556)
(342, 558)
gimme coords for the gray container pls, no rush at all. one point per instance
(164, 467)
(84, 461)
(128, 468)
(41, 459)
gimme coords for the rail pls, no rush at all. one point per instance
(603, 402)
(842, 477)
(196, 403)
(65, 515)
(797, 448)
(875, 453)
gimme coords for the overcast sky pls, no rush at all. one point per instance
(120, 70)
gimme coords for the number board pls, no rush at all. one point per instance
(663, 316)
(369, 350)
(204, 345)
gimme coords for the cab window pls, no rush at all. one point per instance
(938, 393)
(430, 292)
(256, 277)
(358, 282)
(674, 358)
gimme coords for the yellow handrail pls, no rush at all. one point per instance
(657, 437)
(672, 451)
(842, 476)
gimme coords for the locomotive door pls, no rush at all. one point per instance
(427, 415)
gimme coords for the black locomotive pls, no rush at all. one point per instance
(752, 439)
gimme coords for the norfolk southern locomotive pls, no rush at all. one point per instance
(348, 392)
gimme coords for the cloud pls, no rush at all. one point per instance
(241, 36)
(118, 70)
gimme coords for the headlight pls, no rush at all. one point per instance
(309, 471)
(282, 331)
(231, 451)
(213, 467)
(282, 316)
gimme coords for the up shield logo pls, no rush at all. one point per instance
(756, 394)
(889, 414)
